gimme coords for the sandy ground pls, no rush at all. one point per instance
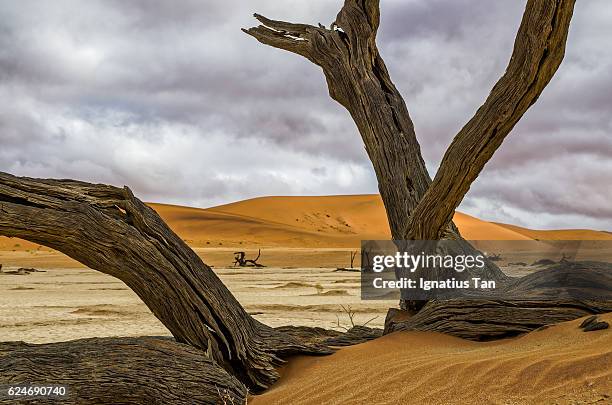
(69, 301)
(558, 365)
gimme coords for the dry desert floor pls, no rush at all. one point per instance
(68, 301)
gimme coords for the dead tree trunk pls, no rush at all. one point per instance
(357, 78)
(109, 230)
(241, 260)
(119, 371)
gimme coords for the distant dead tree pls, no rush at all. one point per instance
(353, 254)
(352, 268)
(494, 257)
(241, 260)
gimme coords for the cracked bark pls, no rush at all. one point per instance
(119, 371)
(109, 230)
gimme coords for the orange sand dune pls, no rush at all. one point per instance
(345, 215)
(330, 221)
(561, 234)
(207, 227)
(560, 365)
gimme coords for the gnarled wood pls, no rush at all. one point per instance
(564, 292)
(539, 49)
(418, 208)
(490, 320)
(353, 336)
(109, 230)
(358, 79)
(119, 371)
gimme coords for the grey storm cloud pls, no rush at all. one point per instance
(174, 100)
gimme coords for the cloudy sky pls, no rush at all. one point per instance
(172, 99)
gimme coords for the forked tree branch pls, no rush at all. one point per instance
(539, 49)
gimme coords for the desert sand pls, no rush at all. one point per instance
(70, 303)
(303, 240)
(557, 365)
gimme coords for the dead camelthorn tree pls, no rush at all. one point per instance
(219, 347)
(351, 268)
(419, 208)
(241, 260)
(357, 78)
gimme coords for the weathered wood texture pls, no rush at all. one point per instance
(563, 292)
(490, 320)
(353, 336)
(109, 230)
(119, 371)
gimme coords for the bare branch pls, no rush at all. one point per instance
(373, 319)
(538, 51)
(296, 30)
(284, 35)
(358, 79)
(279, 40)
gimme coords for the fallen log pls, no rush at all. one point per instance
(355, 335)
(108, 229)
(119, 371)
(564, 292)
(490, 320)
